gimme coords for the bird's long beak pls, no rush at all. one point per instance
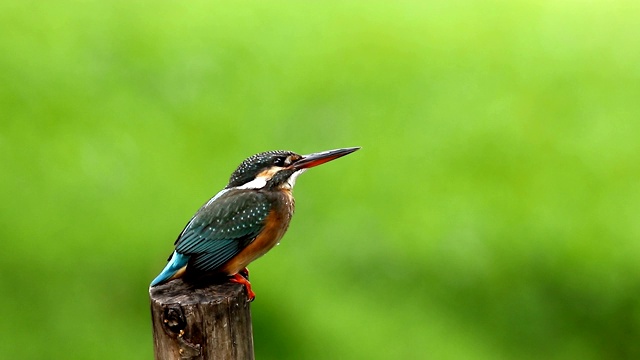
(315, 159)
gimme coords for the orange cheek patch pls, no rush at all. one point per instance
(268, 174)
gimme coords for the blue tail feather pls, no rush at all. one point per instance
(177, 262)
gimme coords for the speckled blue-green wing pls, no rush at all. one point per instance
(220, 230)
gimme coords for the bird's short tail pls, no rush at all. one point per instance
(176, 263)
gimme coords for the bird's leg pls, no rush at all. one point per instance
(237, 278)
(244, 272)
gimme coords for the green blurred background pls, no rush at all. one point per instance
(493, 212)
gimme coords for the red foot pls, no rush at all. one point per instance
(244, 272)
(237, 278)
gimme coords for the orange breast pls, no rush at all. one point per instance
(276, 225)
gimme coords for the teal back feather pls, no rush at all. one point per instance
(177, 262)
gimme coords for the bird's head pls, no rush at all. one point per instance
(279, 169)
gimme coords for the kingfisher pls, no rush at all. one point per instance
(244, 220)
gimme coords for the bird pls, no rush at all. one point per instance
(244, 220)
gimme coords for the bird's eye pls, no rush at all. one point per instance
(279, 161)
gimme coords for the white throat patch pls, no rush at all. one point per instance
(291, 181)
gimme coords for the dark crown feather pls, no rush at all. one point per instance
(253, 165)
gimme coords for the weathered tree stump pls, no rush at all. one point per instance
(201, 322)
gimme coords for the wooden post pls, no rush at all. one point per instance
(204, 323)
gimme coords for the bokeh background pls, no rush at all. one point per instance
(492, 213)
